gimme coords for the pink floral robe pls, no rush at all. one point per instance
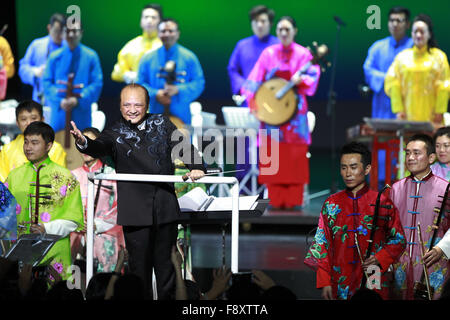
(108, 235)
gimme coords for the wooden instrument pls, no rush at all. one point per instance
(170, 75)
(276, 101)
(376, 215)
(73, 159)
(69, 93)
(38, 196)
(422, 289)
(360, 257)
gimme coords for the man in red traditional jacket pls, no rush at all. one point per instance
(345, 230)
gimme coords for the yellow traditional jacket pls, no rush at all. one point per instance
(8, 58)
(130, 55)
(12, 156)
(417, 82)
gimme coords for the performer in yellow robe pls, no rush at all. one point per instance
(125, 70)
(7, 57)
(7, 68)
(12, 155)
(416, 80)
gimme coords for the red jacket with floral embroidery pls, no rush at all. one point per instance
(333, 253)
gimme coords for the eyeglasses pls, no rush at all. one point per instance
(397, 20)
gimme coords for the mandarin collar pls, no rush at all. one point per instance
(359, 193)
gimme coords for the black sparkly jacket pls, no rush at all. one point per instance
(145, 149)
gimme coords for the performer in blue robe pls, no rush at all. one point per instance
(379, 58)
(32, 65)
(76, 58)
(248, 50)
(189, 83)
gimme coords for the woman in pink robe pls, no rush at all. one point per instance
(108, 235)
(283, 60)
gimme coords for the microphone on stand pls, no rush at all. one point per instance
(339, 21)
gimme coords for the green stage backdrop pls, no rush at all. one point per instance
(211, 29)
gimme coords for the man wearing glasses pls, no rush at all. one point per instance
(171, 97)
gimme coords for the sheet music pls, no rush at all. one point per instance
(226, 203)
(198, 200)
(194, 200)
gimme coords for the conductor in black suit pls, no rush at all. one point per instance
(142, 143)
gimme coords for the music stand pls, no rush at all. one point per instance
(241, 117)
(31, 248)
(186, 218)
(400, 127)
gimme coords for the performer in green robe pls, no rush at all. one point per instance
(60, 209)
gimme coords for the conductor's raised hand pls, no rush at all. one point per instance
(76, 133)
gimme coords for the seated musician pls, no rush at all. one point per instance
(32, 65)
(59, 210)
(12, 155)
(416, 197)
(172, 99)
(334, 253)
(72, 58)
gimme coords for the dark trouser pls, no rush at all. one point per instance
(150, 247)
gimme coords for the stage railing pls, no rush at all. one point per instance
(159, 178)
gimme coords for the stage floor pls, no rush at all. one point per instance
(275, 243)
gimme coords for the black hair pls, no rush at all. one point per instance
(97, 286)
(60, 292)
(397, 10)
(426, 139)
(260, 9)
(155, 7)
(192, 290)
(359, 148)
(365, 294)
(58, 17)
(432, 43)
(40, 128)
(290, 19)
(92, 130)
(243, 291)
(169, 20)
(128, 287)
(278, 292)
(443, 131)
(136, 86)
(29, 105)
